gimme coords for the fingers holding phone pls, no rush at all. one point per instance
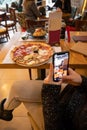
(49, 78)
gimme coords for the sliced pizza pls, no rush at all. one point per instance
(32, 54)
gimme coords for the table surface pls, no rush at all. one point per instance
(2, 12)
(76, 60)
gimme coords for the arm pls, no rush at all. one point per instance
(75, 79)
(84, 82)
(72, 78)
(50, 99)
(35, 10)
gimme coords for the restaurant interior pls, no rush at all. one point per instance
(71, 36)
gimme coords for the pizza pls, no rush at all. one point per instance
(31, 54)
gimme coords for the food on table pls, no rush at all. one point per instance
(39, 32)
(32, 54)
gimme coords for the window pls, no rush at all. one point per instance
(50, 2)
(3, 3)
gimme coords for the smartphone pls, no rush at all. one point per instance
(60, 65)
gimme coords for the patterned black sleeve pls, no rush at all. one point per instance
(50, 94)
(84, 83)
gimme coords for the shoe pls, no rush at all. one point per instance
(5, 114)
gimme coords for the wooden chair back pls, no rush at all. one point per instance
(31, 25)
(12, 14)
(3, 28)
(11, 22)
(7, 7)
(81, 25)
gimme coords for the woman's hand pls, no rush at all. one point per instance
(49, 78)
(73, 78)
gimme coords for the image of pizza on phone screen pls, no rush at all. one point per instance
(60, 65)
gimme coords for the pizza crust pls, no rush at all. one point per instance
(32, 54)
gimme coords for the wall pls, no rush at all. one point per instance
(78, 4)
(3, 3)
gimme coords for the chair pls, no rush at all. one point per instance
(32, 24)
(3, 28)
(11, 22)
(7, 11)
(81, 25)
(84, 15)
(68, 29)
(35, 116)
(21, 19)
(70, 21)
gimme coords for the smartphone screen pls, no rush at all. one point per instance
(60, 65)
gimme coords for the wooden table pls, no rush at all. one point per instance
(76, 60)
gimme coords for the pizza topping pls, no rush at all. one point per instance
(31, 54)
(35, 51)
(43, 52)
(27, 57)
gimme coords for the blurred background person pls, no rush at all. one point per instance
(30, 9)
(64, 5)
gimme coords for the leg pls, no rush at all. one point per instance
(26, 92)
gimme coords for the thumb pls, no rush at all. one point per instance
(51, 71)
(50, 75)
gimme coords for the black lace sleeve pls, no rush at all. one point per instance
(50, 94)
(84, 83)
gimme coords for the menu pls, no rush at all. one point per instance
(80, 38)
(80, 47)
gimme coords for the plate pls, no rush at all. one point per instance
(41, 37)
(32, 54)
(39, 33)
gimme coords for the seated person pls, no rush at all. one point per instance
(29, 11)
(65, 108)
(67, 6)
(64, 5)
(20, 5)
(58, 4)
